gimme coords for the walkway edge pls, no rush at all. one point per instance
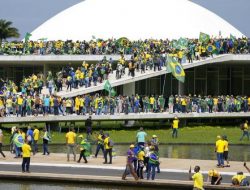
(105, 180)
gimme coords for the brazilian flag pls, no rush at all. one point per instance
(27, 36)
(122, 41)
(211, 48)
(112, 92)
(175, 44)
(183, 43)
(176, 69)
(204, 38)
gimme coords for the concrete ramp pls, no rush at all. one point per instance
(148, 74)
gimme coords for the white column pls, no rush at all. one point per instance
(129, 89)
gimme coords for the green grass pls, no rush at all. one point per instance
(197, 134)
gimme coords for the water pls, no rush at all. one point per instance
(26, 185)
(201, 152)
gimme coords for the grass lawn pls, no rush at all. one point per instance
(197, 134)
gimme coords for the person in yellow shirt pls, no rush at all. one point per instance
(214, 177)
(100, 139)
(26, 149)
(183, 104)
(215, 100)
(197, 178)
(225, 154)
(71, 142)
(245, 131)
(20, 105)
(151, 102)
(36, 133)
(77, 105)
(240, 179)
(219, 149)
(140, 157)
(175, 127)
(108, 145)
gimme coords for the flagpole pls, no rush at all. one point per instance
(164, 83)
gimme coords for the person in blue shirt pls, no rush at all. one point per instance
(29, 135)
(46, 103)
(141, 136)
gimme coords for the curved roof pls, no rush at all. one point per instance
(134, 19)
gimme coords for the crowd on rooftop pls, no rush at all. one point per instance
(123, 45)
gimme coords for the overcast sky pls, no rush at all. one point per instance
(26, 15)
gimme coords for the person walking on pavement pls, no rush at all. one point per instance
(153, 162)
(46, 139)
(26, 149)
(129, 164)
(219, 149)
(36, 138)
(108, 145)
(71, 142)
(1, 143)
(83, 149)
(100, 139)
(225, 154)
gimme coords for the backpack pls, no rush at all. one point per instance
(110, 143)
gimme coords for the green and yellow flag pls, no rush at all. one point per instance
(113, 92)
(183, 43)
(107, 86)
(211, 48)
(204, 38)
(122, 41)
(27, 36)
(176, 69)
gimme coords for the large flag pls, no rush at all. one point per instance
(107, 86)
(204, 38)
(176, 69)
(122, 41)
(27, 36)
(183, 43)
(113, 92)
(211, 48)
(174, 44)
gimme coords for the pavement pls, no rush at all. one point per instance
(55, 167)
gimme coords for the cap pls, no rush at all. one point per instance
(210, 173)
(80, 136)
(154, 136)
(132, 146)
(218, 137)
(151, 147)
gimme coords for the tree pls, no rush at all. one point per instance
(7, 31)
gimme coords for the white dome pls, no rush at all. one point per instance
(134, 19)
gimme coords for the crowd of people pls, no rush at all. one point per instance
(28, 105)
(142, 156)
(123, 45)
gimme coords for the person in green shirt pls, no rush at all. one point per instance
(84, 148)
